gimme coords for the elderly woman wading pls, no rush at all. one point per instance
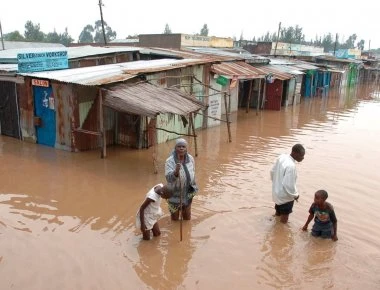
(180, 172)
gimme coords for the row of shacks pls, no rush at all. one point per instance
(138, 97)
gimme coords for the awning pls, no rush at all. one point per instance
(274, 70)
(239, 70)
(149, 100)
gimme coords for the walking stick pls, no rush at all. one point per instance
(180, 208)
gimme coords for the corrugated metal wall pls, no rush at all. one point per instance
(26, 105)
(65, 106)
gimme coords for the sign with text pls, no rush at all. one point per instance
(42, 61)
(40, 83)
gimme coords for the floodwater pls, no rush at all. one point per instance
(67, 219)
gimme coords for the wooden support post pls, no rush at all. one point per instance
(249, 96)
(227, 117)
(103, 140)
(264, 94)
(258, 98)
(155, 141)
(191, 117)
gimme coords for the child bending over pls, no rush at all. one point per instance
(150, 211)
(325, 222)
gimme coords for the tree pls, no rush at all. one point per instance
(350, 42)
(328, 42)
(167, 29)
(14, 36)
(65, 38)
(86, 34)
(204, 30)
(298, 35)
(360, 44)
(53, 37)
(32, 32)
(110, 34)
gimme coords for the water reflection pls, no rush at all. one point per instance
(319, 264)
(278, 256)
(163, 261)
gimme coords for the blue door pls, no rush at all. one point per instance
(44, 109)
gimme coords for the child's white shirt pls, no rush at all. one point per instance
(153, 211)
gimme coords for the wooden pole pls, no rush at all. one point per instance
(2, 38)
(258, 98)
(264, 94)
(180, 210)
(101, 18)
(278, 36)
(193, 131)
(227, 117)
(249, 96)
(155, 142)
(103, 143)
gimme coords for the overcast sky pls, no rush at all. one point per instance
(224, 18)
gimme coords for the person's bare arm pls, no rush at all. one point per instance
(335, 236)
(309, 219)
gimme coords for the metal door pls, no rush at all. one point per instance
(273, 95)
(9, 114)
(45, 113)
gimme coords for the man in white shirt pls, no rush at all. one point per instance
(284, 177)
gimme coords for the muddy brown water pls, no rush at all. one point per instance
(67, 219)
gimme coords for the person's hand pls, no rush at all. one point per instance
(177, 168)
(143, 228)
(334, 238)
(304, 228)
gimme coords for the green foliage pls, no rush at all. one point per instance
(33, 33)
(86, 34)
(65, 38)
(53, 37)
(99, 38)
(167, 29)
(14, 36)
(94, 33)
(204, 30)
(295, 35)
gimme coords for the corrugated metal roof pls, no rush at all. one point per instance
(240, 70)
(25, 44)
(271, 69)
(150, 100)
(231, 55)
(111, 73)
(305, 66)
(8, 67)
(334, 59)
(173, 53)
(277, 61)
(289, 69)
(10, 55)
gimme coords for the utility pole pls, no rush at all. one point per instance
(336, 41)
(278, 36)
(369, 48)
(101, 18)
(1, 35)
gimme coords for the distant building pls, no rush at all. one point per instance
(347, 53)
(283, 49)
(27, 44)
(179, 40)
